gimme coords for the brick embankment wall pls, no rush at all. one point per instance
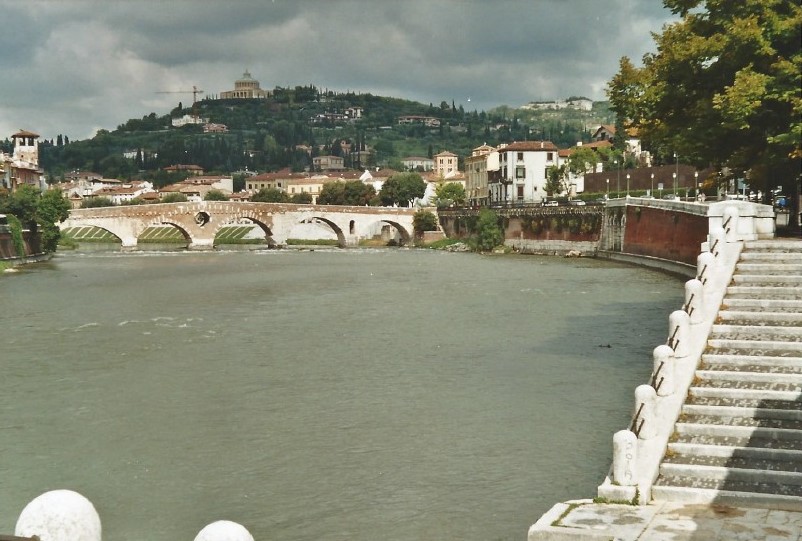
(663, 233)
(7, 250)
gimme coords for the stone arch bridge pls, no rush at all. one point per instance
(200, 222)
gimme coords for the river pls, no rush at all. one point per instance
(330, 394)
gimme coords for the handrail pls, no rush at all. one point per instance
(713, 248)
(657, 373)
(701, 277)
(727, 221)
(688, 305)
(635, 421)
(671, 343)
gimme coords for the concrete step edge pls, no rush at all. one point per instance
(729, 451)
(736, 411)
(762, 329)
(763, 360)
(736, 499)
(738, 431)
(762, 377)
(719, 473)
(768, 345)
(753, 394)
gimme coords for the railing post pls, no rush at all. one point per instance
(717, 238)
(694, 301)
(663, 378)
(224, 530)
(59, 515)
(646, 401)
(704, 267)
(625, 458)
(679, 333)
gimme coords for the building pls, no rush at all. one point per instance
(521, 176)
(245, 88)
(196, 188)
(22, 166)
(446, 163)
(188, 120)
(416, 163)
(328, 163)
(192, 170)
(482, 159)
(428, 121)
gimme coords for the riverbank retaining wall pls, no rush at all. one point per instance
(8, 251)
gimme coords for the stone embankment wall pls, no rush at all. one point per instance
(30, 240)
(536, 230)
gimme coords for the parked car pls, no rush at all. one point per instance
(551, 203)
(577, 203)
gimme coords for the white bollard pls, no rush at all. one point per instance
(224, 530)
(663, 370)
(646, 404)
(59, 515)
(695, 301)
(679, 333)
(625, 458)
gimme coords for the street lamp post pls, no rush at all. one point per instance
(627, 184)
(675, 184)
(608, 188)
(696, 182)
(651, 191)
(676, 172)
(618, 180)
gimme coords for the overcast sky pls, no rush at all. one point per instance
(74, 67)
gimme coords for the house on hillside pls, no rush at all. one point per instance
(22, 165)
(483, 158)
(445, 163)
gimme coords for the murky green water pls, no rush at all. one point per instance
(327, 395)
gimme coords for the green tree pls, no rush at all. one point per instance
(402, 188)
(352, 192)
(301, 198)
(449, 193)
(488, 232)
(723, 89)
(556, 175)
(174, 197)
(22, 203)
(95, 202)
(424, 220)
(270, 195)
(215, 195)
(51, 209)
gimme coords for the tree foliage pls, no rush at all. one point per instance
(449, 193)
(38, 212)
(722, 90)
(556, 177)
(270, 195)
(351, 192)
(424, 220)
(488, 232)
(215, 195)
(401, 189)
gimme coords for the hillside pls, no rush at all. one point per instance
(293, 125)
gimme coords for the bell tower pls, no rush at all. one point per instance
(26, 147)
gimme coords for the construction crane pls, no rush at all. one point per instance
(195, 91)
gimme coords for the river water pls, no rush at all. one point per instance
(326, 394)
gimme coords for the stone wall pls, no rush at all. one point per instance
(7, 250)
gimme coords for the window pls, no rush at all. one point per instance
(520, 172)
(550, 156)
(520, 192)
(520, 156)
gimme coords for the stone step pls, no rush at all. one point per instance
(729, 474)
(729, 451)
(718, 420)
(760, 319)
(778, 268)
(685, 465)
(763, 305)
(757, 332)
(737, 495)
(754, 348)
(734, 393)
(751, 363)
(775, 245)
(693, 435)
(759, 292)
(767, 280)
(740, 432)
(751, 388)
(770, 257)
(726, 378)
(736, 400)
(758, 413)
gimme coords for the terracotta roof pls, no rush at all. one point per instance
(25, 133)
(531, 146)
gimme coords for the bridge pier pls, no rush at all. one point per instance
(201, 245)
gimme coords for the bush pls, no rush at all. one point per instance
(424, 220)
(488, 233)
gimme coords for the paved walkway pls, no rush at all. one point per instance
(583, 520)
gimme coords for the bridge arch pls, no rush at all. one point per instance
(406, 236)
(254, 220)
(341, 240)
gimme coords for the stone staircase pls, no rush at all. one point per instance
(738, 439)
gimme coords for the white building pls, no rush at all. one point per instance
(521, 176)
